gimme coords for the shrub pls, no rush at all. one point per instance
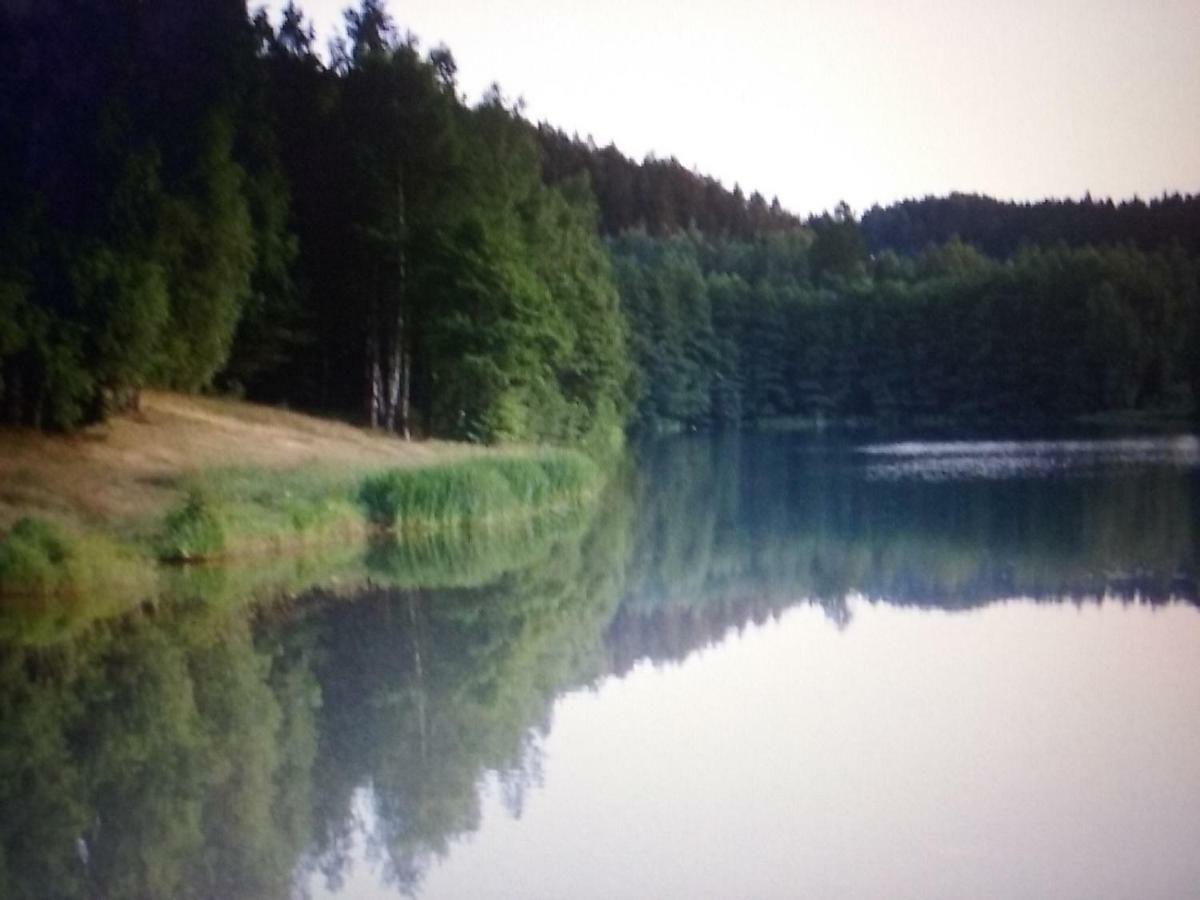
(194, 531)
(39, 558)
(32, 557)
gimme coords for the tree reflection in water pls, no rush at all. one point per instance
(201, 749)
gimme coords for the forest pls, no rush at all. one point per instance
(196, 198)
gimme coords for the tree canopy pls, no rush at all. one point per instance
(194, 198)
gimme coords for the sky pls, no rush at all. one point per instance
(867, 101)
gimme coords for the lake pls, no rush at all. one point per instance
(764, 666)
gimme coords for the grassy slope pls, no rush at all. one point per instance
(135, 467)
(193, 478)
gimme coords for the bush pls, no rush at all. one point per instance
(33, 557)
(194, 531)
(39, 558)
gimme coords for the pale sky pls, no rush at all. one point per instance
(863, 100)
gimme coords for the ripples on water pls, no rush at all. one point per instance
(950, 460)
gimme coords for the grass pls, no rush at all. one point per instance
(48, 559)
(256, 512)
(478, 493)
(247, 512)
(90, 519)
(56, 578)
(134, 468)
(336, 568)
(459, 559)
(194, 531)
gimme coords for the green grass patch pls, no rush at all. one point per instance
(478, 492)
(284, 531)
(194, 531)
(34, 555)
(54, 580)
(469, 558)
(335, 567)
(232, 513)
(249, 512)
(40, 558)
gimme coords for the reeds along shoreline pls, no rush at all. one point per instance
(242, 514)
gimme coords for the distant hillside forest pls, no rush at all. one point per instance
(193, 198)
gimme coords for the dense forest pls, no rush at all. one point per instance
(727, 332)
(660, 195)
(1000, 228)
(200, 200)
(194, 197)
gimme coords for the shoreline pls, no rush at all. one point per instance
(349, 487)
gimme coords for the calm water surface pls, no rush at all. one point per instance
(765, 667)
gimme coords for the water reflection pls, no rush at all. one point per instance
(935, 460)
(217, 749)
(1016, 751)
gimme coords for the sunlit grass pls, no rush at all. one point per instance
(41, 558)
(134, 468)
(249, 512)
(284, 531)
(54, 579)
(478, 492)
(460, 559)
(87, 523)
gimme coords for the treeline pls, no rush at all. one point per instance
(726, 333)
(194, 198)
(139, 208)
(191, 197)
(659, 195)
(1000, 228)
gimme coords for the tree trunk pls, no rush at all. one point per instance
(399, 383)
(393, 379)
(405, 395)
(374, 374)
